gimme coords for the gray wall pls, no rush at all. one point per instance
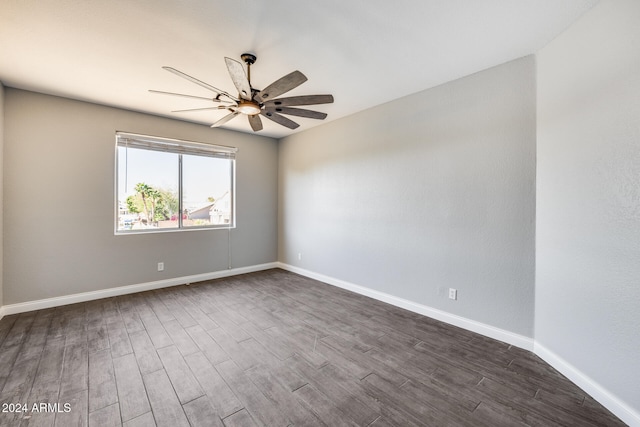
(431, 191)
(588, 190)
(59, 202)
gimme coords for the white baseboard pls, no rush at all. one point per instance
(462, 322)
(595, 390)
(130, 289)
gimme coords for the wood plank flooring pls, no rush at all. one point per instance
(270, 349)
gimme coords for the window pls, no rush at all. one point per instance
(167, 184)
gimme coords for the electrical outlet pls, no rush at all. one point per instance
(299, 256)
(453, 293)
(161, 266)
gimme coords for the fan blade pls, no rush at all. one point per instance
(255, 122)
(236, 71)
(217, 107)
(300, 112)
(300, 100)
(182, 94)
(281, 120)
(199, 82)
(282, 85)
(225, 119)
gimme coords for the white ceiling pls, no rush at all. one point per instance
(364, 52)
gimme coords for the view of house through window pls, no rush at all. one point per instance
(164, 184)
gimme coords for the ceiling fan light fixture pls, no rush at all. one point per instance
(248, 107)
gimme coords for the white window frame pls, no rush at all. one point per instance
(179, 147)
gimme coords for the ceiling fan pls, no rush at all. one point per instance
(253, 102)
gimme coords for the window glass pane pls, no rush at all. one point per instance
(206, 191)
(167, 184)
(147, 189)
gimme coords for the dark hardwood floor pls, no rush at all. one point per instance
(270, 349)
